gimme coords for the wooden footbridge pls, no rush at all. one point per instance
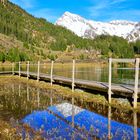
(110, 88)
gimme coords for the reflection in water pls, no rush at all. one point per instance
(28, 93)
(38, 97)
(73, 112)
(19, 91)
(51, 100)
(135, 125)
(109, 122)
(41, 112)
(84, 124)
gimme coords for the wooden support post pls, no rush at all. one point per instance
(28, 65)
(73, 75)
(136, 82)
(38, 71)
(13, 65)
(109, 80)
(52, 72)
(19, 69)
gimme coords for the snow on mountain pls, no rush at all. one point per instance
(89, 29)
(135, 33)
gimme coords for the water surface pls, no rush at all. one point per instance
(35, 111)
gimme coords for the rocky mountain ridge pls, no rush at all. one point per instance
(90, 29)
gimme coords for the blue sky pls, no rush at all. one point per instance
(99, 10)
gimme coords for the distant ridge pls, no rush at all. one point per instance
(90, 29)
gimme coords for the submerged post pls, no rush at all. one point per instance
(73, 75)
(19, 70)
(109, 80)
(28, 64)
(52, 72)
(38, 71)
(136, 82)
(13, 65)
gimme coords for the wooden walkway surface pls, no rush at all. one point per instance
(118, 89)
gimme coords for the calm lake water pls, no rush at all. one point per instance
(35, 111)
(88, 71)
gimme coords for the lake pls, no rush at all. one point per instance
(42, 112)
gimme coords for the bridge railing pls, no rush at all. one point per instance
(74, 72)
(136, 62)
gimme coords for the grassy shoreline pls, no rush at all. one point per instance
(65, 91)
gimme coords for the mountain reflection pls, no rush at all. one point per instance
(57, 121)
(35, 112)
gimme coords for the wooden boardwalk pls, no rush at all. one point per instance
(118, 89)
(109, 88)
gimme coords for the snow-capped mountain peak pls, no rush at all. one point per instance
(89, 28)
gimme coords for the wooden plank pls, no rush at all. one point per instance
(123, 60)
(6, 72)
(91, 85)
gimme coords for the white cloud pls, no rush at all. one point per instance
(117, 1)
(133, 15)
(97, 7)
(107, 10)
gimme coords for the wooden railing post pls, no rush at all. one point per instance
(19, 69)
(38, 71)
(28, 65)
(73, 75)
(109, 80)
(52, 72)
(13, 65)
(136, 82)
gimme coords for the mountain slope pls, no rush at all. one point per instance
(37, 35)
(91, 29)
(43, 40)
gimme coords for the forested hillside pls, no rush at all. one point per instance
(40, 39)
